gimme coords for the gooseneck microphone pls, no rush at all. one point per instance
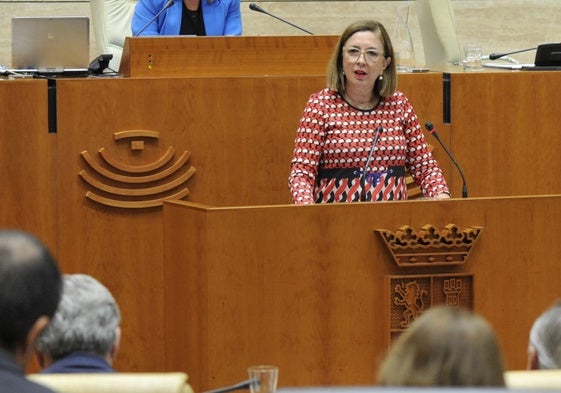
(239, 386)
(430, 128)
(495, 56)
(366, 168)
(255, 7)
(166, 6)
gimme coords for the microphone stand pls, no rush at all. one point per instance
(239, 386)
(255, 7)
(495, 56)
(430, 128)
(168, 4)
(362, 179)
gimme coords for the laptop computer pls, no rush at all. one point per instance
(57, 45)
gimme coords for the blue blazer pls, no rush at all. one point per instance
(221, 17)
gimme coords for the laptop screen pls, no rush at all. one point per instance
(60, 42)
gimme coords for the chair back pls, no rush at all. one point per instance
(115, 382)
(111, 20)
(533, 379)
(438, 32)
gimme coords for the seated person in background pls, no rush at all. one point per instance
(187, 17)
(544, 348)
(445, 346)
(30, 285)
(84, 334)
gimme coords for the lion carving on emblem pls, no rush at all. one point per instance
(410, 295)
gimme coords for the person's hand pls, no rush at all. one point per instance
(442, 195)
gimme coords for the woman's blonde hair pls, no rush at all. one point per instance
(336, 79)
(445, 346)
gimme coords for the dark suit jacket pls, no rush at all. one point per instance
(12, 377)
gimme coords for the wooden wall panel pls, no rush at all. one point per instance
(28, 178)
(506, 132)
(239, 132)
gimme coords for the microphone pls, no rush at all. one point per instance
(239, 386)
(379, 130)
(255, 7)
(495, 56)
(430, 128)
(166, 6)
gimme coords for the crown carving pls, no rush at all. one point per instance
(428, 246)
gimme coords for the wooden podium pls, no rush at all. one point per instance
(305, 287)
(226, 56)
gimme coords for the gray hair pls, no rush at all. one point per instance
(545, 337)
(87, 320)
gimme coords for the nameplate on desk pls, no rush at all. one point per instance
(504, 66)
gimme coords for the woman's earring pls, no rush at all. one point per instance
(381, 77)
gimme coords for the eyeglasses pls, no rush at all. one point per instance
(370, 55)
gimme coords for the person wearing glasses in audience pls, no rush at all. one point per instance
(357, 137)
(187, 17)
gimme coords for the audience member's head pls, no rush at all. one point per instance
(544, 348)
(30, 285)
(85, 327)
(445, 346)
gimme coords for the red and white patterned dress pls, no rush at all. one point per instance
(334, 141)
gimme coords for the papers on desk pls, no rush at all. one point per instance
(508, 66)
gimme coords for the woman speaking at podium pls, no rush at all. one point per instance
(357, 137)
(187, 17)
